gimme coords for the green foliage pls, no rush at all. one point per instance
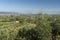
(37, 27)
(43, 28)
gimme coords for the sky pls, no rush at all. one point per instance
(30, 6)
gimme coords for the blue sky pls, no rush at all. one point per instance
(30, 6)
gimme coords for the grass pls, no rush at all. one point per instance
(9, 30)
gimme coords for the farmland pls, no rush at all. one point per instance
(30, 27)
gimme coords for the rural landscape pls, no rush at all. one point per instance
(29, 19)
(30, 27)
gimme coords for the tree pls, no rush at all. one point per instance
(43, 27)
(55, 27)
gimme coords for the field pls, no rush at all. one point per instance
(9, 30)
(29, 27)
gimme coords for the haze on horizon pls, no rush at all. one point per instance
(30, 6)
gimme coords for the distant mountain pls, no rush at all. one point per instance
(15, 13)
(9, 13)
(19, 14)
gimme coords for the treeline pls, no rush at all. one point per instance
(38, 27)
